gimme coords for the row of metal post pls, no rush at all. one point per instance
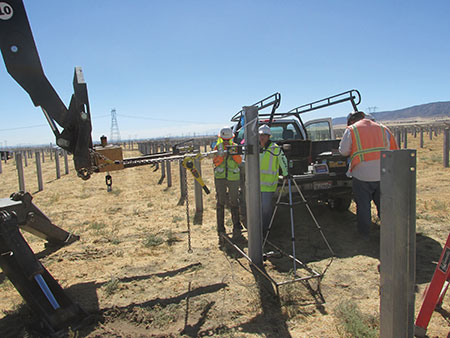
(20, 159)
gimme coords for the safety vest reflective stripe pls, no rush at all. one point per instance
(366, 151)
(369, 148)
(383, 131)
(228, 169)
(360, 152)
(358, 143)
(269, 184)
(269, 162)
(272, 154)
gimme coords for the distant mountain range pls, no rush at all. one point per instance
(421, 112)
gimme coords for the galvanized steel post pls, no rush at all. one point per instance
(163, 167)
(399, 137)
(198, 190)
(168, 170)
(58, 171)
(183, 187)
(398, 243)
(66, 163)
(19, 166)
(405, 138)
(421, 137)
(252, 185)
(37, 157)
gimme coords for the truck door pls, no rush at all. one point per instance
(320, 129)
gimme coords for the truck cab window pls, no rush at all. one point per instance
(319, 131)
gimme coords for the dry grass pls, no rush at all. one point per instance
(132, 267)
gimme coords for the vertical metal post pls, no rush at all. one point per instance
(415, 132)
(430, 132)
(66, 163)
(6, 155)
(398, 243)
(446, 146)
(405, 138)
(421, 137)
(19, 166)
(399, 137)
(198, 188)
(182, 187)
(252, 185)
(25, 158)
(168, 170)
(43, 155)
(51, 154)
(37, 157)
(163, 168)
(58, 171)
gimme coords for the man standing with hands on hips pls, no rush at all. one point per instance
(363, 141)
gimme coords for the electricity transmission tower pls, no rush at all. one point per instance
(371, 110)
(114, 137)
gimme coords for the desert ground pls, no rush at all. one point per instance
(132, 273)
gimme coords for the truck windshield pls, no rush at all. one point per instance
(285, 131)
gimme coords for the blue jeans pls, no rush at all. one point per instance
(267, 209)
(364, 193)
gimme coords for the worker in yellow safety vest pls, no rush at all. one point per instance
(226, 178)
(271, 160)
(363, 141)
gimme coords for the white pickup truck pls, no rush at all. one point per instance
(311, 149)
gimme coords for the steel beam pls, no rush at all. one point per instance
(252, 185)
(398, 242)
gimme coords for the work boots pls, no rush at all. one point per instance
(236, 224)
(220, 213)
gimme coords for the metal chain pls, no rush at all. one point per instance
(186, 196)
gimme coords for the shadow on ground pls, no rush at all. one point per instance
(339, 229)
(22, 322)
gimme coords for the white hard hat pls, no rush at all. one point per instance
(226, 133)
(265, 129)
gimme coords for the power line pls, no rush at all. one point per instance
(28, 127)
(165, 120)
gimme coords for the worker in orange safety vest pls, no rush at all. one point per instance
(226, 177)
(363, 141)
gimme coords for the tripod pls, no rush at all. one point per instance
(289, 182)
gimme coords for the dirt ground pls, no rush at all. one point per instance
(132, 272)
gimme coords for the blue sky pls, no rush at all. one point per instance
(183, 67)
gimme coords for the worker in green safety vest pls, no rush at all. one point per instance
(226, 178)
(271, 160)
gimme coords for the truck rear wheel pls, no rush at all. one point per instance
(342, 203)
